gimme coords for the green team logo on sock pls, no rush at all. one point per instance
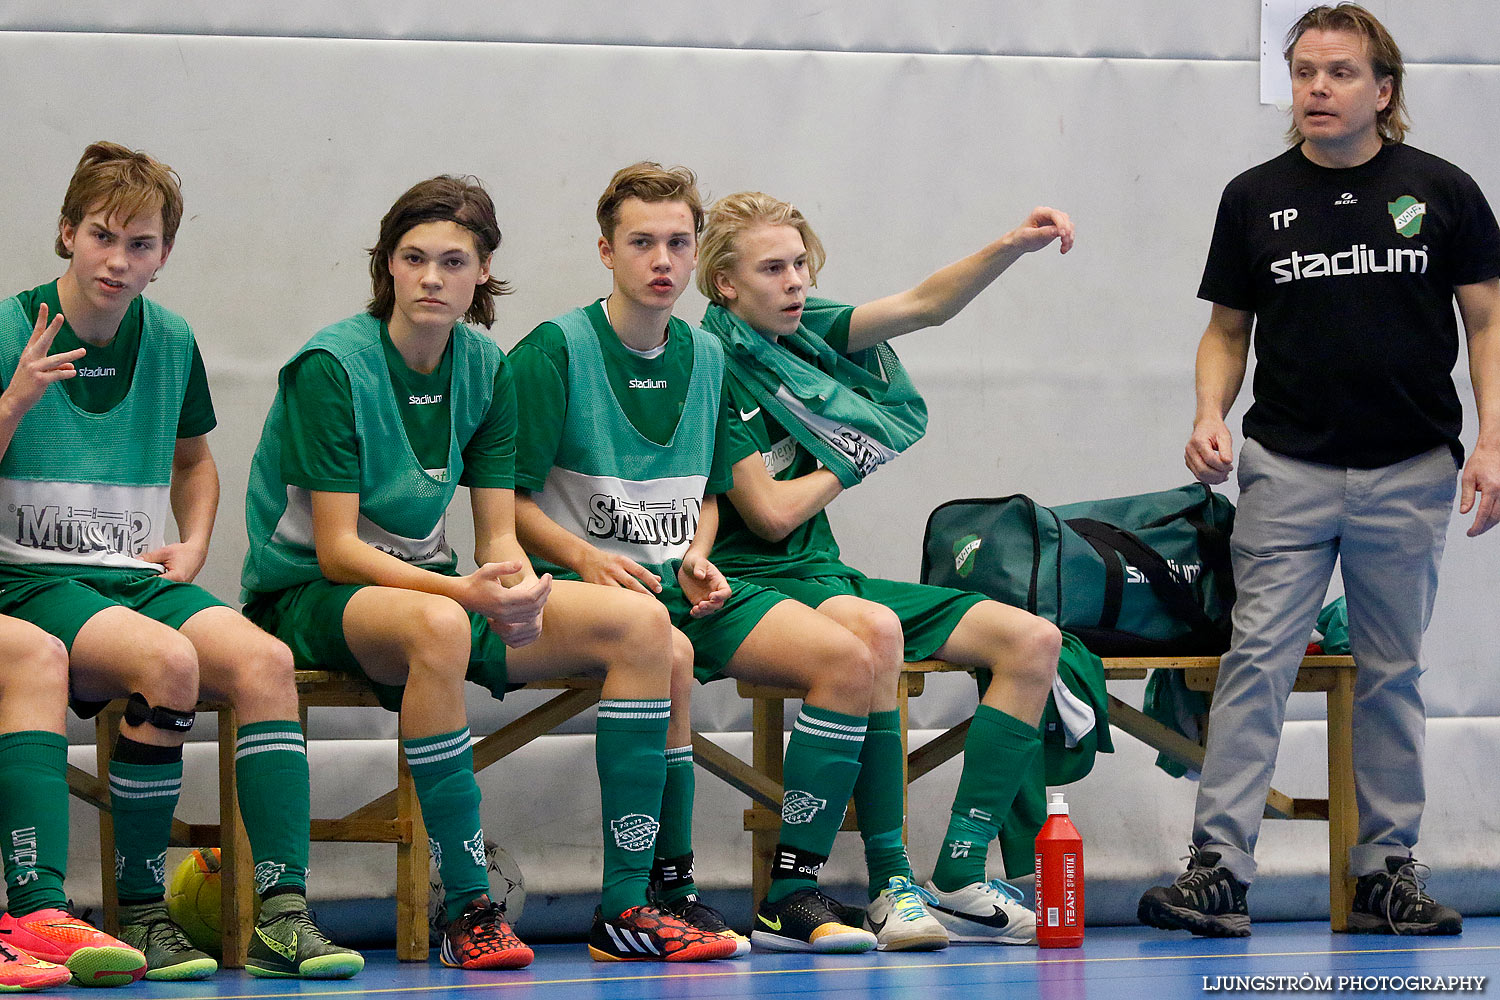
(475, 848)
(962, 550)
(1406, 213)
(960, 849)
(635, 832)
(798, 807)
(436, 850)
(157, 866)
(267, 874)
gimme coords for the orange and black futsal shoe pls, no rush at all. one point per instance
(480, 938)
(20, 973)
(92, 956)
(647, 934)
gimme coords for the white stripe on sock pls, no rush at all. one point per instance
(434, 752)
(857, 736)
(288, 736)
(296, 748)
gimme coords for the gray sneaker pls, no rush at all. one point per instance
(1395, 901)
(170, 956)
(1206, 899)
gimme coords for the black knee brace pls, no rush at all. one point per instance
(139, 711)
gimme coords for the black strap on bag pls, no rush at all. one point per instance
(1114, 574)
(1176, 595)
(1213, 552)
(1213, 545)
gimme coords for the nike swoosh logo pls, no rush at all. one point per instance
(750, 415)
(997, 920)
(879, 926)
(288, 952)
(775, 925)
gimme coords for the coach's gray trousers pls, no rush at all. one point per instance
(1387, 527)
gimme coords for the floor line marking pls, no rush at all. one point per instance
(733, 973)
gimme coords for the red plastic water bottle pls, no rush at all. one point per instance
(1059, 879)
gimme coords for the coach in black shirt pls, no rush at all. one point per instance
(1343, 255)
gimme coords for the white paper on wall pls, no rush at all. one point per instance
(1276, 19)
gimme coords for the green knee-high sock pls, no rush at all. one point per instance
(630, 750)
(144, 784)
(997, 757)
(270, 767)
(822, 763)
(34, 819)
(675, 841)
(442, 768)
(1028, 812)
(878, 800)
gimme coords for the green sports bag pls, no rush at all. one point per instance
(1145, 575)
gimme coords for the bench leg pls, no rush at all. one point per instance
(413, 868)
(106, 729)
(768, 751)
(236, 866)
(1343, 808)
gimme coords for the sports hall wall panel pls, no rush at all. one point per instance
(910, 136)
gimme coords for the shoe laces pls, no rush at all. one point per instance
(301, 919)
(699, 914)
(1410, 881)
(816, 897)
(1000, 887)
(8, 954)
(161, 930)
(1199, 872)
(908, 900)
(482, 918)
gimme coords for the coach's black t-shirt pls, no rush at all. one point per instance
(1350, 274)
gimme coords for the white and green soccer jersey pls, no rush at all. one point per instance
(84, 490)
(402, 500)
(618, 448)
(809, 549)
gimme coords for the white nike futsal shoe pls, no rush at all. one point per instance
(900, 920)
(992, 912)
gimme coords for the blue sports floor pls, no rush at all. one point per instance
(1114, 962)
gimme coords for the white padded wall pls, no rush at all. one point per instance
(1437, 31)
(909, 134)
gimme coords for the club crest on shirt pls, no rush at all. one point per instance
(1406, 213)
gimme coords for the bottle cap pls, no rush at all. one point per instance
(1057, 807)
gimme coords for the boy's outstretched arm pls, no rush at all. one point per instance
(944, 293)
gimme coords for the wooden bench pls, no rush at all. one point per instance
(1333, 675)
(391, 818)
